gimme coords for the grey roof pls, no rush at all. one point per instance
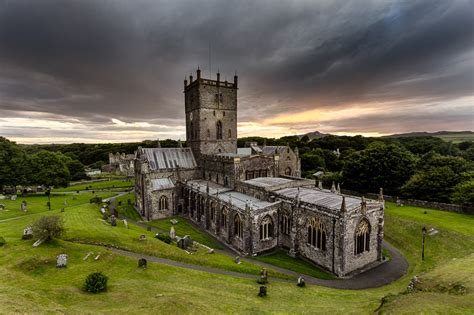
(202, 184)
(267, 181)
(323, 198)
(162, 183)
(244, 151)
(169, 158)
(273, 149)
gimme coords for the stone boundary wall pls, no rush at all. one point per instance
(418, 203)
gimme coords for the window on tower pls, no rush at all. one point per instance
(219, 130)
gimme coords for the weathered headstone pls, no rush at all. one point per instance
(61, 261)
(262, 291)
(125, 223)
(142, 237)
(210, 251)
(27, 233)
(142, 263)
(97, 257)
(413, 282)
(2, 206)
(174, 221)
(300, 282)
(88, 255)
(237, 260)
(172, 233)
(184, 242)
(2, 197)
(24, 206)
(263, 276)
(13, 198)
(113, 220)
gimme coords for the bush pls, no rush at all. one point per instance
(96, 200)
(96, 282)
(48, 227)
(2, 241)
(164, 238)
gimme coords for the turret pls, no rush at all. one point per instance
(235, 80)
(198, 73)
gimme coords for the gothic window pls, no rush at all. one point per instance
(208, 133)
(263, 173)
(229, 134)
(266, 228)
(317, 234)
(221, 98)
(285, 225)
(224, 218)
(214, 112)
(223, 114)
(213, 212)
(288, 171)
(209, 176)
(249, 175)
(219, 130)
(217, 178)
(163, 203)
(362, 237)
(238, 226)
(226, 181)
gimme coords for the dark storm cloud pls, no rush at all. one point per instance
(97, 60)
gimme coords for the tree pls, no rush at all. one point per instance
(380, 165)
(464, 192)
(14, 164)
(48, 227)
(313, 160)
(76, 169)
(49, 169)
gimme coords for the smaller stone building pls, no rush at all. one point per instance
(121, 164)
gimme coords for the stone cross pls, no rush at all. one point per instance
(172, 233)
(27, 233)
(61, 261)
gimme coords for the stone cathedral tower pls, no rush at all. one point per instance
(211, 115)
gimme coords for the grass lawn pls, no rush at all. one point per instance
(98, 185)
(127, 209)
(183, 228)
(38, 203)
(281, 259)
(30, 283)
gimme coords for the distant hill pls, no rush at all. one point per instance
(314, 135)
(456, 136)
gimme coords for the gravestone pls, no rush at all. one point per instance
(210, 251)
(263, 291)
(142, 263)
(61, 261)
(174, 221)
(263, 276)
(300, 282)
(142, 237)
(113, 221)
(13, 198)
(237, 260)
(97, 257)
(185, 242)
(24, 206)
(125, 223)
(2, 197)
(172, 233)
(88, 255)
(27, 233)
(2, 206)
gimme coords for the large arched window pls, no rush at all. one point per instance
(317, 234)
(266, 228)
(288, 171)
(213, 212)
(362, 237)
(224, 218)
(219, 129)
(238, 230)
(163, 203)
(285, 225)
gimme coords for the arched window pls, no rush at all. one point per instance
(219, 130)
(213, 212)
(285, 225)
(266, 228)
(362, 237)
(224, 217)
(288, 171)
(208, 133)
(163, 203)
(238, 226)
(229, 134)
(317, 234)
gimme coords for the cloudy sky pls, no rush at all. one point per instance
(112, 71)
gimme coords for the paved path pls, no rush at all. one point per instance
(378, 276)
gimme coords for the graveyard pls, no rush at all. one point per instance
(194, 281)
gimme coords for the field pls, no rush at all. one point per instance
(107, 184)
(457, 137)
(31, 283)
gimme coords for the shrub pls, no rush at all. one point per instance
(2, 241)
(48, 227)
(96, 282)
(96, 199)
(164, 238)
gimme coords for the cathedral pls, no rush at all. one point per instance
(253, 199)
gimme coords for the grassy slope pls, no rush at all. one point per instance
(30, 285)
(98, 185)
(127, 209)
(183, 228)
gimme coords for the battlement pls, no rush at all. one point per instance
(209, 82)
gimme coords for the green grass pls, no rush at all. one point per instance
(30, 283)
(38, 203)
(183, 228)
(458, 137)
(281, 259)
(107, 184)
(127, 209)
